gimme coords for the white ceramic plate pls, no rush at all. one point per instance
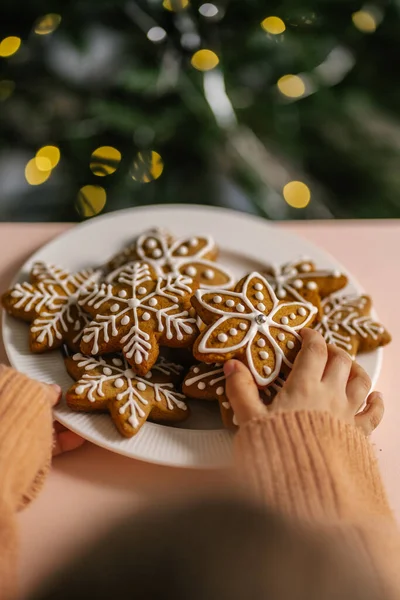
(246, 242)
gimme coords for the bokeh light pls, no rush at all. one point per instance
(49, 153)
(91, 200)
(105, 160)
(297, 194)
(9, 46)
(147, 166)
(208, 10)
(47, 24)
(291, 86)
(7, 87)
(35, 174)
(156, 34)
(364, 21)
(175, 5)
(204, 60)
(273, 25)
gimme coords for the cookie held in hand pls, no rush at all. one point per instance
(50, 304)
(250, 324)
(109, 384)
(138, 313)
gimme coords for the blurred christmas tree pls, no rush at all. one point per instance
(270, 109)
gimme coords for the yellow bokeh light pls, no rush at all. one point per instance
(91, 200)
(105, 160)
(273, 25)
(47, 24)
(175, 5)
(7, 87)
(51, 153)
(364, 21)
(147, 166)
(9, 46)
(204, 60)
(43, 163)
(34, 174)
(297, 194)
(291, 86)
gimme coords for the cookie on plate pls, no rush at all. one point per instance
(108, 384)
(207, 382)
(50, 303)
(138, 313)
(192, 257)
(346, 322)
(251, 325)
(301, 280)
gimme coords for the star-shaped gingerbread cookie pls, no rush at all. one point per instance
(192, 257)
(137, 313)
(346, 322)
(50, 303)
(207, 382)
(109, 384)
(301, 280)
(251, 325)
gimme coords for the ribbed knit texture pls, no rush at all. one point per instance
(25, 455)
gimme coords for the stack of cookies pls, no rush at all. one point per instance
(162, 292)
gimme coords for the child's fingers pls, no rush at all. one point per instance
(54, 393)
(311, 359)
(66, 440)
(242, 392)
(358, 386)
(338, 367)
(369, 418)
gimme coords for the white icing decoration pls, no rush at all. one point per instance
(281, 293)
(336, 274)
(79, 390)
(151, 243)
(157, 253)
(302, 311)
(305, 268)
(292, 316)
(213, 376)
(114, 308)
(219, 391)
(243, 326)
(153, 302)
(261, 306)
(240, 308)
(119, 383)
(298, 284)
(169, 318)
(183, 250)
(141, 386)
(230, 303)
(208, 274)
(222, 337)
(193, 242)
(267, 370)
(284, 320)
(196, 369)
(122, 293)
(259, 296)
(117, 362)
(107, 371)
(217, 299)
(258, 324)
(258, 286)
(263, 355)
(191, 271)
(311, 285)
(261, 343)
(201, 385)
(290, 345)
(233, 331)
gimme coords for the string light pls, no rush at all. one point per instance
(273, 25)
(147, 166)
(297, 194)
(208, 10)
(156, 34)
(175, 5)
(9, 46)
(364, 21)
(35, 173)
(91, 200)
(47, 24)
(105, 160)
(204, 60)
(7, 87)
(50, 154)
(291, 86)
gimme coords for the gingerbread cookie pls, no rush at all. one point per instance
(192, 257)
(346, 322)
(301, 280)
(109, 384)
(249, 324)
(50, 304)
(138, 313)
(207, 382)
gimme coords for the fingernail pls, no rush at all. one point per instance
(229, 367)
(56, 388)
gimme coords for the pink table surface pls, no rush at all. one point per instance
(88, 489)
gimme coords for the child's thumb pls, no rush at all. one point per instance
(242, 392)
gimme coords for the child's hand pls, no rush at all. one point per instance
(323, 378)
(63, 439)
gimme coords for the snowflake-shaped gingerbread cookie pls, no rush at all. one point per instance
(301, 280)
(251, 325)
(109, 384)
(207, 382)
(346, 322)
(50, 303)
(191, 257)
(137, 313)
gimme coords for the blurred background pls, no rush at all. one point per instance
(285, 109)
